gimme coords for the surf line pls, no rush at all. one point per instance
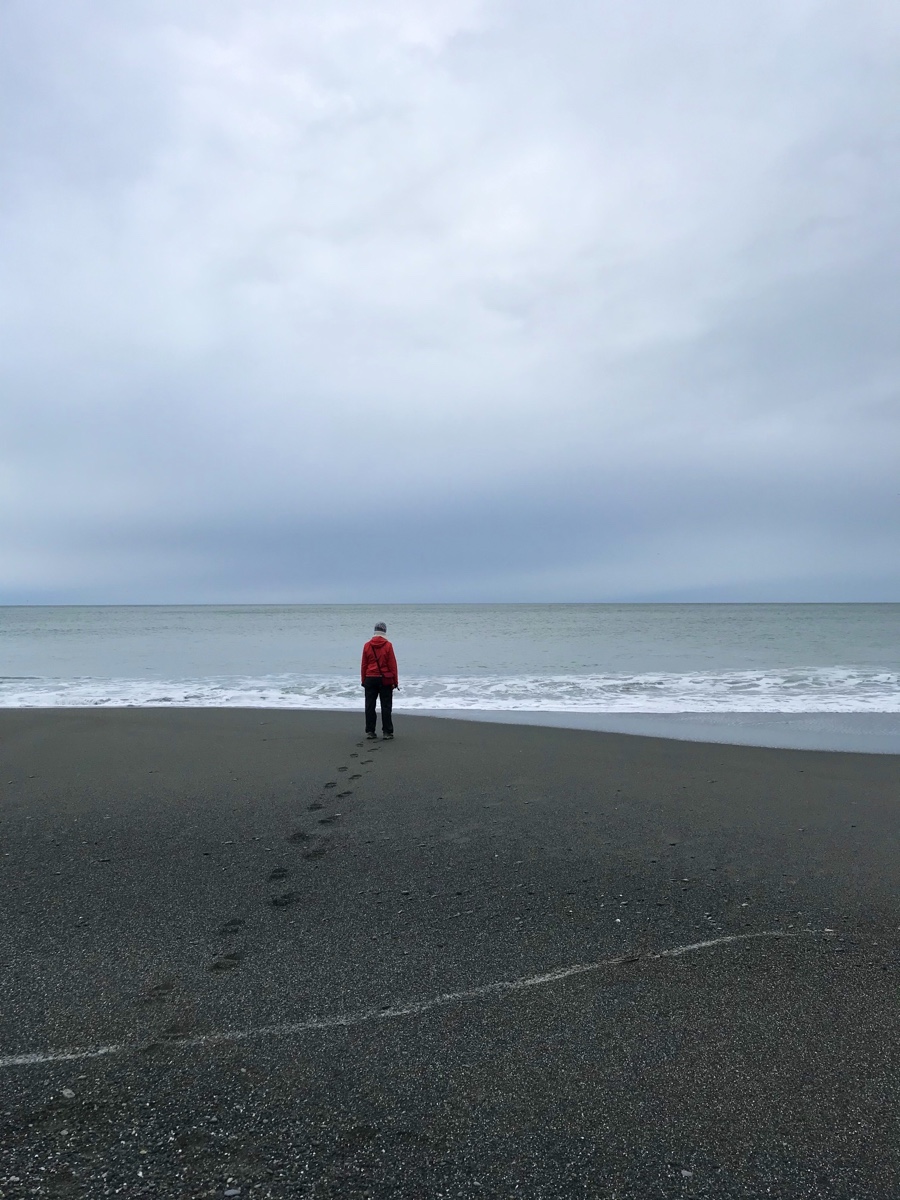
(413, 1009)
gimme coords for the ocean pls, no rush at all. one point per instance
(503, 658)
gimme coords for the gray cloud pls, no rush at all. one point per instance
(458, 301)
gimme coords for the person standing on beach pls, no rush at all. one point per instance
(379, 678)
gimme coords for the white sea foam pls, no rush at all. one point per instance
(813, 690)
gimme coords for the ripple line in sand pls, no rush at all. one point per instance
(413, 1009)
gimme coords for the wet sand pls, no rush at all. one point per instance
(243, 949)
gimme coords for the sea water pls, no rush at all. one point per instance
(557, 663)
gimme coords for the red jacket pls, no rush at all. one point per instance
(378, 659)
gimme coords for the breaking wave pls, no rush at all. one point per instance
(832, 689)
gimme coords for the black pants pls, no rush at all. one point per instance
(377, 689)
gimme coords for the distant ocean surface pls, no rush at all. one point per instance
(529, 658)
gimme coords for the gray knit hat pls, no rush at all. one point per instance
(381, 627)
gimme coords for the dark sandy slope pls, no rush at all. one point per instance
(170, 876)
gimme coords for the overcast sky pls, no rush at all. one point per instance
(385, 300)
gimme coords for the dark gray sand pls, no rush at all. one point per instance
(290, 945)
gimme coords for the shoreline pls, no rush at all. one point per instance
(850, 732)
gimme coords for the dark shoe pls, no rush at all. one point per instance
(372, 737)
(388, 737)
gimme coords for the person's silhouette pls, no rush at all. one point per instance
(379, 678)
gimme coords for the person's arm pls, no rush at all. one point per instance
(362, 667)
(393, 666)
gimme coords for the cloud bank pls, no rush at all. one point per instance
(467, 301)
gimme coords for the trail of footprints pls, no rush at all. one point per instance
(311, 846)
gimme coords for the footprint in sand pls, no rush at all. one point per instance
(332, 820)
(364, 762)
(343, 768)
(232, 926)
(315, 851)
(356, 777)
(181, 1028)
(278, 873)
(314, 807)
(226, 962)
(344, 795)
(354, 756)
(299, 835)
(158, 992)
(331, 783)
(284, 900)
(192, 1140)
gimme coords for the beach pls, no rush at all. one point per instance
(247, 953)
